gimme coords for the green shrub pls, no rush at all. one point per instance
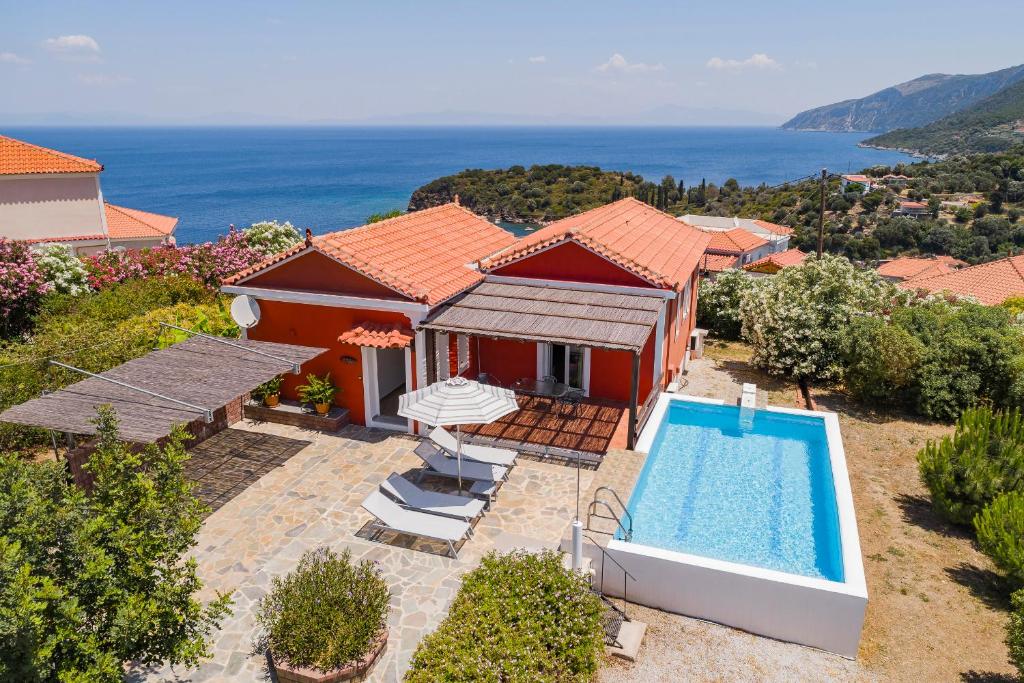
(517, 618)
(1015, 631)
(1000, 531)
(982, 460)
(318, 390)
(327, 612)
(881, 359)
(718, 303)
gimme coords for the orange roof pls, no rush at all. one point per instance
(790, 257)
(426, 255)
(774, 227)
(909, 267)
(735, 241)
(378, 335)
(990, 283)
(125, 223)
(635, 236)
(716, 263)
(913, 205)
(17, 157)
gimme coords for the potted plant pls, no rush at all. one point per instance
(269, 393)
(319, 391)
(327, 620)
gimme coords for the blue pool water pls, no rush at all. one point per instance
(760, 495)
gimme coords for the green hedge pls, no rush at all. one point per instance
(518, 617)
(1000, 530)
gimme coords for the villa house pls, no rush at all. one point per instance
(733, 249)
(603, 302)
(990, 283)
(773, 263)
(49, 197)
(856, 179)
(912, 209)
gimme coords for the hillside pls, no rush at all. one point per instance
(907, 105)
(994, 124)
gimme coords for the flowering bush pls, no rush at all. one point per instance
(271, 237)
(517, 617)
(63, 271)
(797, 320)
(209, 263)
(718, 303)
(22, 286)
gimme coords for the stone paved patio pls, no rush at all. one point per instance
(313, 498)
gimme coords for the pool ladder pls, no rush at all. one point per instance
(622, 519)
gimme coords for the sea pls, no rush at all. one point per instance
(331, 178)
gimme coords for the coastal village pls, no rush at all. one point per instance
(427, 449)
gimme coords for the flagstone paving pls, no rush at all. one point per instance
(312, 499)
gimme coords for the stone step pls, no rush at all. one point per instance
(631, 634)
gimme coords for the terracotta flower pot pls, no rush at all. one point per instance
(322, 408)
(272, 400)
(352, 671)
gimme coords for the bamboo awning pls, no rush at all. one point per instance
(198, 371)
(560, 315)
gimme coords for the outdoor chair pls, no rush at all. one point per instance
(392, 517)
(489, 455)
(409, 495)
(439, 464)
(572, 398)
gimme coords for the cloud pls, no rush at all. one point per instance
(76, 48)
(11, 58)
(619, 64)
(103, 80)
(755, 61)
(539, 59)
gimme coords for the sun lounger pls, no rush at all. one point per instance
(487, 454)
(408, 494)
(438, 463)
(391, 517)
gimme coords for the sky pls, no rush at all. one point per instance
(401, 62)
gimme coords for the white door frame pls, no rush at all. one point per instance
(544, 351)
(371, 391)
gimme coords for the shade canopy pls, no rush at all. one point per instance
(457, 401)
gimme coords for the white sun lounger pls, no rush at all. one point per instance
(487, 454)
(441, 465)
(391, 517)
(408, 494)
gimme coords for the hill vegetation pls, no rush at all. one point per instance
(907, 105)
(993, 124)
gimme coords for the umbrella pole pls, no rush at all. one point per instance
(458, 437)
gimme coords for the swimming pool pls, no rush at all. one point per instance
(744, 517)
(756, 491)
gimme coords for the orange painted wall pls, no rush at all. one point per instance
(573, 263)
(506, 359)
(316, 272)
(289, 323)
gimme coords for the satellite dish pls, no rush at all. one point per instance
(245, 311)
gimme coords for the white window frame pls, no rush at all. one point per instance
(462, 352)
(442, 361)
(544, 354)
(682, 308)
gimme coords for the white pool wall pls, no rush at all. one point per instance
(828, 615)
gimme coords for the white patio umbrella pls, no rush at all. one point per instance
(457, 401)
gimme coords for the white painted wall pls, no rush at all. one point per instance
(37, 207)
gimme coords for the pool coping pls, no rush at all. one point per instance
(853, 584)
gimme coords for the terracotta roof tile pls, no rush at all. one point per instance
(716, 263)
(378, 335)
(17, 157)
(125, 223)
(783, 259)
(774, 227)
(648, 243)
(426, 255)
(909, 267)
(990, 283)
(735, 241)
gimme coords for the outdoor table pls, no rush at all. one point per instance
(540, 388)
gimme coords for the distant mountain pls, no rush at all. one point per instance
(907, 105)
(992, 125)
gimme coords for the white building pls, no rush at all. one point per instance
(777, 236)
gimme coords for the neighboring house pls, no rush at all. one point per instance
(48, 196)
(777, 235)
(990, 283)
(908, 268)
(773, 263)
(604, 301)
(850, 179)
(713, 264)
(894, 180)
(912, 209)
(738, 244)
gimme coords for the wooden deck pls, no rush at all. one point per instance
(538, 427)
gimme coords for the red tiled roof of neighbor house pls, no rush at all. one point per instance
(913, 205)
(735, 241)
(378, 335)
(910, 267)
(716, 263)
(774, 227)
(18, 157)
(990, 283)
(637, 237)
(857, 178)
(123, 223)
(790, 257)
(426, 255)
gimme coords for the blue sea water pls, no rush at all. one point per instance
(761, 495)
(333, 178)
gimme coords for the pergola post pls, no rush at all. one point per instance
(634, 390)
